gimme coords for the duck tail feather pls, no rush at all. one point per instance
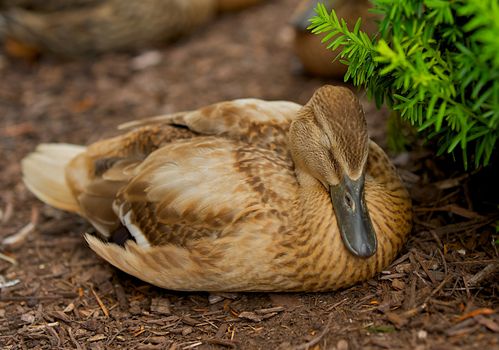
(44, 174)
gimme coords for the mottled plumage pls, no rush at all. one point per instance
(230, 197)
(76, 27)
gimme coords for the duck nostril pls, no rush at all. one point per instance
(349, 202)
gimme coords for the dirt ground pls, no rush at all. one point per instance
(441, 292)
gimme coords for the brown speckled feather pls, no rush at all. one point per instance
(216, 201)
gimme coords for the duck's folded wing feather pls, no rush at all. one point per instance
(250, 120)
(96, 175)
(199, 210)
(201, 188)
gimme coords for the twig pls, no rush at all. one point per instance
(467, 196)
(450, 183)
(413, 312)
(73, 339)
(317, 339)
(470, 225)
(425, 224)
(436, 238)
(337, 304)
(101, 304)
(490, 324)
(436, 290)
(35, 297)
(193, 345)
(423, 265)
(482, 311)
(444, 261)
(483, 274)
(270, 310)
(452, 208)
(228, 343)
(6, 284)
(461, 288)
(466, 287)
(17, 238)
(473, 262)
(8, 259)
(20, 236)
(54, 334)
(110, 340)
(410, 293)
(7, 214)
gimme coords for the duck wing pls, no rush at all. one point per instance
(202, 188)
(262, 123)
(95, 176)
(165, 162)
(205, 214)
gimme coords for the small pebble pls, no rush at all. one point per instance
(28, 318)
(342, 345)
(422, 334)
(146, 60)
(69, 308)
(186, 331)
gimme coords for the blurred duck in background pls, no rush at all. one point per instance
(80, 27)
(315, 58)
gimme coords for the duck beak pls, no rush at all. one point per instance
(352, 216)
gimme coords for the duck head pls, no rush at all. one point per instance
(329, 141)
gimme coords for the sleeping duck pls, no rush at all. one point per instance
(78, 27)
(244, 195)
(315, 58)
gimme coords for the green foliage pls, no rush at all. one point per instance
(399, 132)
(436, 62)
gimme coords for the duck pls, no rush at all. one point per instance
(243, 195)
(87, 27)
(313, 55)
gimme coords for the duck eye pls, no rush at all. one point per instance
(349, 202)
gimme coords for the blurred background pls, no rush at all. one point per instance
(67, 85)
